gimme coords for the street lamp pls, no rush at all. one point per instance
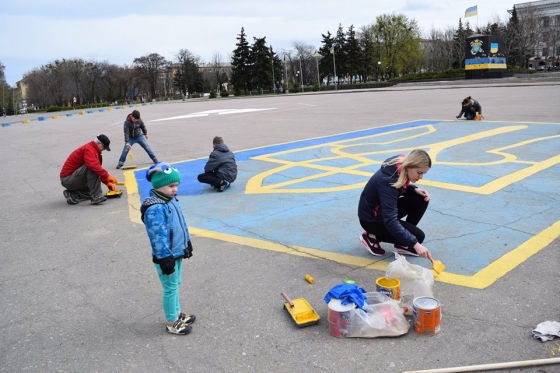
(378, 67)
(301, 76)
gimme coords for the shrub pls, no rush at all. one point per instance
(53, 108)
(224, 93)
(212, 94)
(295, 88)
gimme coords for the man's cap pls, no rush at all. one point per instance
(105, 141)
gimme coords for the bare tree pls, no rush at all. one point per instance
(216, 76)
(149, 68)
(303, 53)
(438, 49)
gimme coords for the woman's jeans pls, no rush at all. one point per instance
(137, 140)
(170, 283)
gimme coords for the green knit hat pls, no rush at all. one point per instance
(162, 174)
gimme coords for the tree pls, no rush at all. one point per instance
(241, 65)
(187, 77)
(399, 40)
(354, 53)
(326, 65)
(368, 65)
(261, 64)
(149, 67)
(340, 52)
(438, 50)
(218, 74)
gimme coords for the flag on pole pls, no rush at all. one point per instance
(332, 49)
(299, 57)
(315, 54)
(472, 11)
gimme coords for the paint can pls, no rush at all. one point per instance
(426, 312)
(478, 117)
(391, 287)
(339, 317)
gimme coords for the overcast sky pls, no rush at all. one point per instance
(36, 32)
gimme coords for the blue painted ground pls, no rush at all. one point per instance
(493, 186)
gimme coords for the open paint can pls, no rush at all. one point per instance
(426, 312)
(339, 317)
(391, 287)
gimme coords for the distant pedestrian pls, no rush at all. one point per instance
(220, 170)
(4, 112)
(135, 132)
(470, 107)
(169, 237)
(278, 87)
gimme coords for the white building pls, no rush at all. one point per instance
(547, 49)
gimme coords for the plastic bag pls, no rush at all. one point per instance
(416, 281)
(382, 317)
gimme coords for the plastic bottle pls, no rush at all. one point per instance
(310, 279)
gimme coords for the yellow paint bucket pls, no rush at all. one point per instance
(391, 287)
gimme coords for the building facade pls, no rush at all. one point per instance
(546, 54)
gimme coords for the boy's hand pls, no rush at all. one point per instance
(167, 265)
(188, 250)
(111, 186)
(112, 179)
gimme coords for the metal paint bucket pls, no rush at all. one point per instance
(426, 312)
(391, 287)
(339, 317)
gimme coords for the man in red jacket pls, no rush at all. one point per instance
(82, 173)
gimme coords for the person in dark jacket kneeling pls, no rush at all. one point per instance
(469, 108)
(220, 170)
(388, 197)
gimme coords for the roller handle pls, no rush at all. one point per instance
(287, 299)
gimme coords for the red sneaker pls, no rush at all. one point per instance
(371, 245)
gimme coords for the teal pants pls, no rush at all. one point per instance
(170, 284)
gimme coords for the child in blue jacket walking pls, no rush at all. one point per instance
(170, 240)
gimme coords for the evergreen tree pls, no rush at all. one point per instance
(341, 52)
(326, 67)
(241, 65)
(459, 40)
(514, 57)
(354, 53)
(187, 77)
(262, 64)
(368, 61)
(278, 73)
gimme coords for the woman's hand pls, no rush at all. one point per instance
(422, 251)
(424, 193)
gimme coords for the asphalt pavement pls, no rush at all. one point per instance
(80, 294)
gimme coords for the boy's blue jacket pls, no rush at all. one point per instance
(166, 227)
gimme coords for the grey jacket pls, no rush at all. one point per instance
(222, 163)
(132, 129)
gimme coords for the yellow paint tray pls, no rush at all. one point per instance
(129, 167)
(114, 194)
(301, 311)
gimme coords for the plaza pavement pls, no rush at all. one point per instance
(79, 292)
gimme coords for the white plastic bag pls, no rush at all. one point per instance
(381, 318)
(416, 281)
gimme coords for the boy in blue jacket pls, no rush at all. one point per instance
(170, 240)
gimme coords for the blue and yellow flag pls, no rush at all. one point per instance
(472, 11)
(332, 49)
